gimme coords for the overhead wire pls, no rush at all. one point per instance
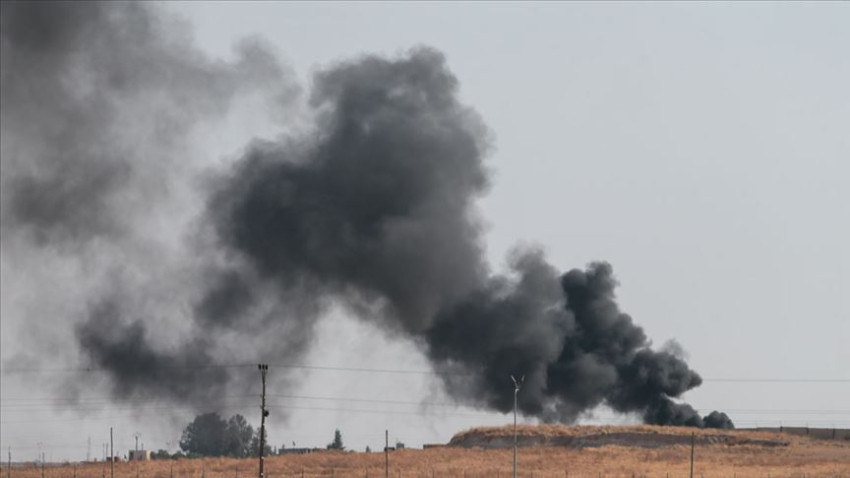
(394, 371)
(80, 404)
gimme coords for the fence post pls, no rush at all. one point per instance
(693, 438)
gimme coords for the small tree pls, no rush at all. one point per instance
(337, 443)
(255, 445)
(161, 455)
(239, 435)
(205, 435)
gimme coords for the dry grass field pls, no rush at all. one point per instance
(749, 454)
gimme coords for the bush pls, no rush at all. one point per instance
(161, 455)
(337, 443)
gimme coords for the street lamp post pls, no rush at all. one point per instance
(264, 368)
(517, 386)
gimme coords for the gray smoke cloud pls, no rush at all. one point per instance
(372, 208)
(96, 99)
(100, 105)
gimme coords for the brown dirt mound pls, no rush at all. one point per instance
(644, 436)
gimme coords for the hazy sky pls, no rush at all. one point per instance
(702, 148)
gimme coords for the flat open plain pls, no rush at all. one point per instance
(639, 451)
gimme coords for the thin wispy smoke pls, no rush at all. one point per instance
(373, 208)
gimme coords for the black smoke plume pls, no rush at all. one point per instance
(373, 207)
(378, 208)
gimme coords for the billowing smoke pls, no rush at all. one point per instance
(377, 209)
(373, 207)
(568, 337)
(102, 107)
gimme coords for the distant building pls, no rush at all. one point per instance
(140, 455)
(295, 451)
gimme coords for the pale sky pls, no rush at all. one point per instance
(701, 148)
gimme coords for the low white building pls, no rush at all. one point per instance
(140, 455)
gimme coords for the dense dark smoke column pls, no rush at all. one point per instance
(377, 209)
(577, 349)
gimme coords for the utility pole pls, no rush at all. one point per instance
(9, 464)
(517, 386)
(137, 435)
(692, 454)
(386, 454)
(111, 455)
(264, 368)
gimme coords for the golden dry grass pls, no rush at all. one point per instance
(803, 457)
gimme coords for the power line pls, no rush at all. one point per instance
(392, 371)
(778, 380)
(614, 420)
(105, 369)
(285, 407)
(26, 405)
(73, 403)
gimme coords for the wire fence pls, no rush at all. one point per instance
(841, 470)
